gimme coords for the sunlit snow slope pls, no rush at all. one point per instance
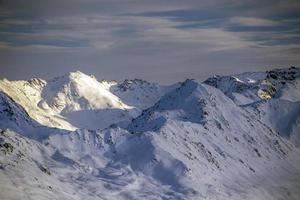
(77, 100)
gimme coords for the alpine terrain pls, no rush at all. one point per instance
(74, 137)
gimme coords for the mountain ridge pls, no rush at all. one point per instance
(191, 140)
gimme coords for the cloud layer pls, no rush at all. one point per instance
(155, 40)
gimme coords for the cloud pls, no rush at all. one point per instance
(129, 36)
(252, 21)
(105, 32)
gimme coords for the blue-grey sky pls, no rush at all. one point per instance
(157, 40)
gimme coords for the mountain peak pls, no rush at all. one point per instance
(76, 73)
(75, 76)
(37, 82)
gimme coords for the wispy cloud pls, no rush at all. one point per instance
(252, 21)
(155, 33)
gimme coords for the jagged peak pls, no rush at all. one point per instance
(252, 86)
(130, 84)
(246, 77)
(136, 81)
(108, 81)
(189, 81)
(178, 96)
(37, 82)
(287, 74)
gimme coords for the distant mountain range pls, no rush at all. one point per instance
(74, 137)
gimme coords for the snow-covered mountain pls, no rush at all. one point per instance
(77, 100)
(73, 137)
(251, 87)
(273, 96)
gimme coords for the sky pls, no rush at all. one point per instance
(163, 41)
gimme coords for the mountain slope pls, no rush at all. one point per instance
(250, 87)
(281, 115)
(139, 93)
(273, 97)
(76, 100)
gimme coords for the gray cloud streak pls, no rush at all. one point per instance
(155, 40)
